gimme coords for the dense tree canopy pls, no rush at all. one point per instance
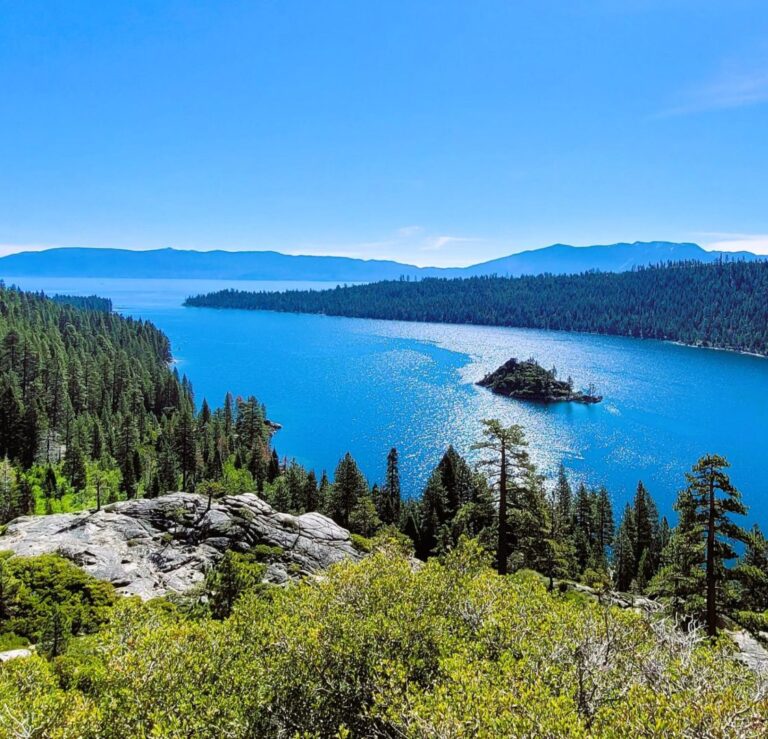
(90, 411)
(721, 305)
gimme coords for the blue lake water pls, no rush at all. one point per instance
(338, 384)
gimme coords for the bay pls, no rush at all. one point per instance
(338, 384)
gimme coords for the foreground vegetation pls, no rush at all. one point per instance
(381, 648)
(718, 305)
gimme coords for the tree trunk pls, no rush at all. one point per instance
(711, 584)
(501, 553)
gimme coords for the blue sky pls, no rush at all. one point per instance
(427, 131)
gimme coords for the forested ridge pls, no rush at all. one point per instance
(91, 411)
(86, 302)
(722, 305)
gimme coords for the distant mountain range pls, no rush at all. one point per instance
(271, 265)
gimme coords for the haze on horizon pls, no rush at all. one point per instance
(433, 134)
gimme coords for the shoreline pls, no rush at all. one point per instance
(676, 342)
(743, 352)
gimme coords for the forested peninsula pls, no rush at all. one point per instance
(92, 412)
(722, 305)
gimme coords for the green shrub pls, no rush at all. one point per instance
(265, 553)
(9, 641)
(380, 648)
(361, 543)
(33, 586)
(754, 622)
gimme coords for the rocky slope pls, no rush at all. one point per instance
(149, 547)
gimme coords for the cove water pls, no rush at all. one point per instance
(340, 384)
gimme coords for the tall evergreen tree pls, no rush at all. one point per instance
(624, 562)
(563, 504)
(433, 513)
(389, 500)
(752, 572)
(604, 525)
(584, 527)
(647, 543)
(311, 492)
(186, 447)
(695, 573)
(506, 463)
(348, 486)
(716, 500)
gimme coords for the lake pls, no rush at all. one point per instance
(340, 384)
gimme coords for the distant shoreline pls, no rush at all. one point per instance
(483, 325)
(713, 348)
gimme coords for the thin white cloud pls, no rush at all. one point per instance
(756, 243)
(407, 232)
(732, 88)
(435, 243)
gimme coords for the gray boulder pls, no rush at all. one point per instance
(150, 547)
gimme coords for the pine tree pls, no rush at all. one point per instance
(563, 504)
(324, 494)
(186, 447)
(56, 632)
(604, 526)
(364, 519)
(752, 572)
(224, 584)
(390, 501)
(296, 480)
(31, 431)
(432, 515)
(625, 565)
(74, 465)
(584, 527)
(167, 465)
(705, 481)
(311, 493)
(348, 487)
(694, 573)
(681, 576)
(273, 470)
(8, 491)
(507, 464)
(11, 418)
(281, 495)
(531, 518)
(647, 544)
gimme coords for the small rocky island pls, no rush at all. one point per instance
(528, 380)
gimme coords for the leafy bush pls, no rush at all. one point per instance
(361, 543)
(754, 622)
(32, 588)
(265, 553)
(9, 641)
(380, 648)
